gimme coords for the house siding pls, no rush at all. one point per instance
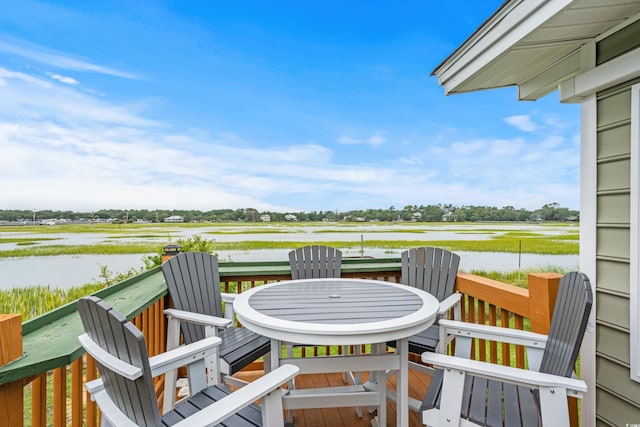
(617, 396)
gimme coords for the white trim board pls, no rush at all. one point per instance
(618, 70)
(634, 279)
(588, 231)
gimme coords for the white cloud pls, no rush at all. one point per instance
(522, 122)
(66, 149)
(412, 160)
(28, 97)
(64, 79)
(376, 139)
(57, 59)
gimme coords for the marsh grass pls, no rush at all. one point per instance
(25, 240)
(33, 301)
(538, 245)
(519, 278)
(96, 249)
(252, 231)
(139, 236)
(369, 231)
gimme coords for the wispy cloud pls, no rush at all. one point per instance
(376, 139)
(64, 79)
(28, 97)
(53, 58)
(522, 122)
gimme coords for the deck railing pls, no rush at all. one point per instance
(43, 369)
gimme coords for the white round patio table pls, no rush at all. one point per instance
(341, 312)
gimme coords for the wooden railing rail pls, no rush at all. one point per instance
(490, 302)
(54, 388)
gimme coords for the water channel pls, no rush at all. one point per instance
(64, 271)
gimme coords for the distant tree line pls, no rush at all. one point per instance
(419, 213)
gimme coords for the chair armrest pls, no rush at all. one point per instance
(505, 373)
(449, 302)
(114, 364)
(229, 405)
(183, 355)
(93, 387)
(494, 333)
(200, 319)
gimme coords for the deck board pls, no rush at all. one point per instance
(347, 417)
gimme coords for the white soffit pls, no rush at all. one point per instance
(530, 43)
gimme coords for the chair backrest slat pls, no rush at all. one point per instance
(114, 334)
(315, 261)
(193, 282)
(568, 324)
(433, 270)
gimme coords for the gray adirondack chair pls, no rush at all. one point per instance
(433, 270)
(193, 282)
(125, 392)
(315, 261)
(470, 392)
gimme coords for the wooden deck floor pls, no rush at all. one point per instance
(347, 417)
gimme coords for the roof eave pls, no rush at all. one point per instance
(514, 20)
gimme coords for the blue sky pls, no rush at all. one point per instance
(280, 105)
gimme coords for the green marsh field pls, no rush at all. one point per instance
(500, 250)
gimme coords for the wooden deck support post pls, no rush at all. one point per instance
(11, 398)
(543, 289)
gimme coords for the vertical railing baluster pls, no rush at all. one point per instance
(39, 401)
(493, 346)
(472, 319)
(506, 347)
(482, 320)
(60, 397)
(518, 323)
(77, 406)
(90, 374)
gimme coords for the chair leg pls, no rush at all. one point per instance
(266, 363)
(272, 409)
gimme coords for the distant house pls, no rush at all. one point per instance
(448, 217)
(174, 218)
(265, 218)
(290, 217)
(417, 216)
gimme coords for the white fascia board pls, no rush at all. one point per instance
(497, 36)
